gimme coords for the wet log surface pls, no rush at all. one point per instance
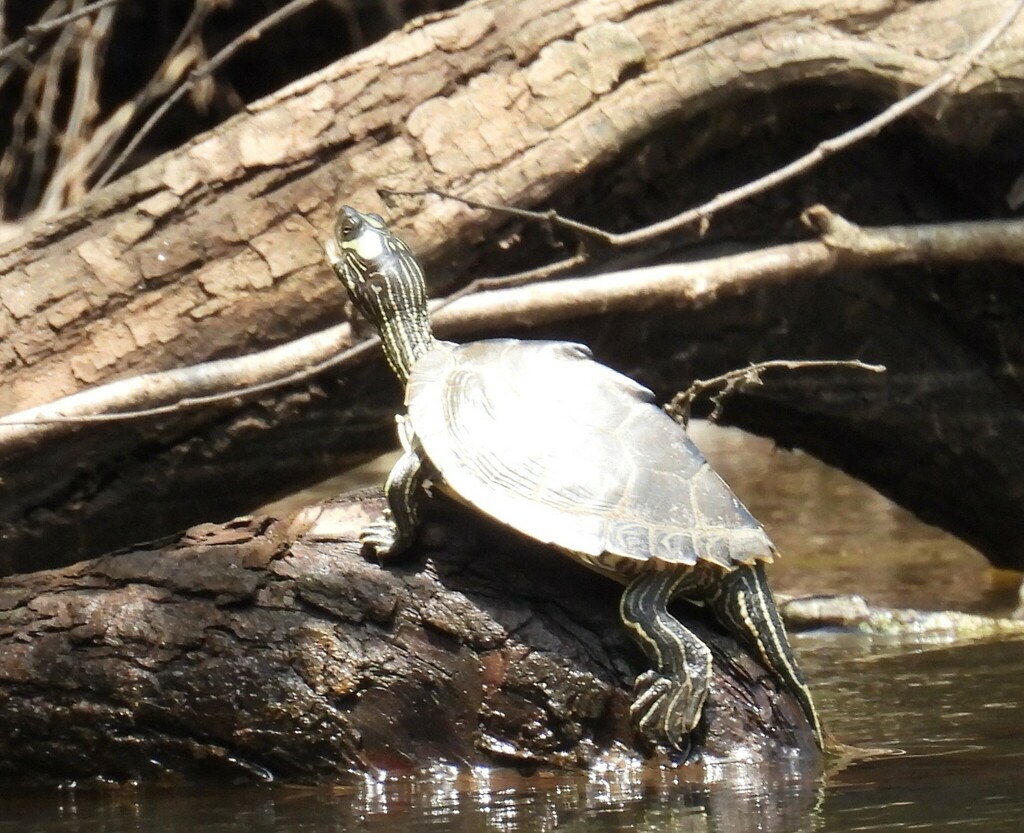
(272, 649)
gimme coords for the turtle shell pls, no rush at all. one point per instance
(544, 439)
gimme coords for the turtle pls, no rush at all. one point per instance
(544, 439)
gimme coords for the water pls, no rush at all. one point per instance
(951, 717)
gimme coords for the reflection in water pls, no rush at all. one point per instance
(955, 713)
(779, 799)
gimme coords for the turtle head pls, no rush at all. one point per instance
(378, 270)
(385, 282)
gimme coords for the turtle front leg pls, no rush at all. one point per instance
(669, 699)
(394, 532)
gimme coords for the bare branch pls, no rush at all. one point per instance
(205, 69)
(38, 29)
(84, 107)
(45, 77)
(682, 284)
(735, 380)
(46, 25)
(549, 218)
(207, 383)
(953, 74)
(677, 285)
(90, 157)
(992, 240)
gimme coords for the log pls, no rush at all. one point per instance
(271, 649)
(618, 115)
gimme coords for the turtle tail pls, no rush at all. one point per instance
(744, 603)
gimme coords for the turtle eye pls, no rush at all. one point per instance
(348, 225)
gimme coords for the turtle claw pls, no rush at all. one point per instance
(381, 537)
(655, 714)
(649, 692)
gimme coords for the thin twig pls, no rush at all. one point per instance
(35, 31)
(955, 71)
(550, 218)
(106, 138)
(529, 276)
(84, 107)
(11, 57)
(735, 380)
(541, 272)
(44, 113)
(17, 144)
(205, 69)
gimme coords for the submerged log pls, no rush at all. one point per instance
(272, 649)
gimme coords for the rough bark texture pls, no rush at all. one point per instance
(261, 649)
(617, 112)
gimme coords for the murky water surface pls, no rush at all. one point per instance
(950, 716)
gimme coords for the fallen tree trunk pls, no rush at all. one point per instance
(271, 649)
(213, 251)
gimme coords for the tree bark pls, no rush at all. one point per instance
(272, 649)
(616, 114)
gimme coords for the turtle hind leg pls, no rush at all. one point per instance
(743, 602)
(669, 699)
